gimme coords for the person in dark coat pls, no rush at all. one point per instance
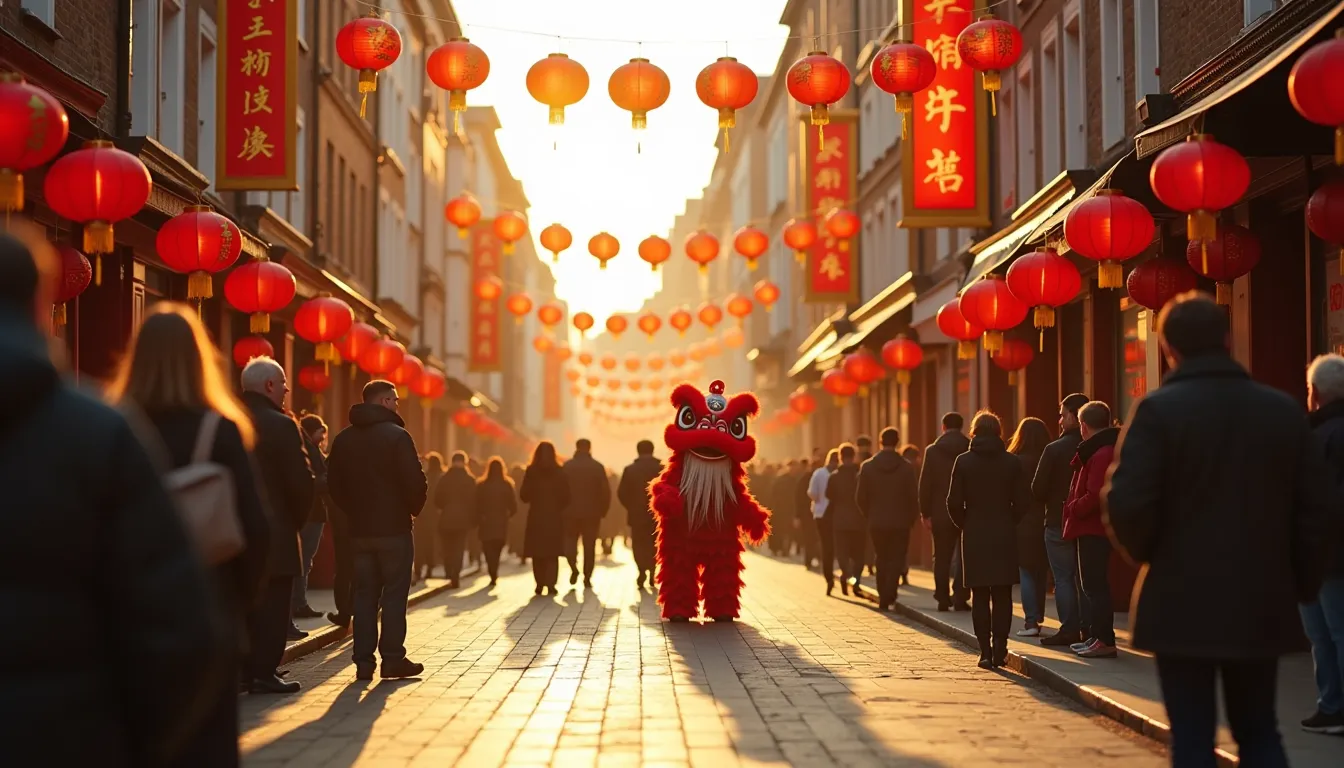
(848, 525)
(173, 347)
(816, 491)
(496, 502)
(1323, 619)
(911, 453)
(888, 496)
(781, 509)
(427, 524)
(589, 501)
(1220, 490)
(934, 477)
(108, 609)
(612, 523)
(374, 475)
(455, 497)
(314, 432)
(864, 446)
(546, 492)
(1028, 443)
(633, 493)
(1082, 524)
(518, 523)
(287, 482)
(805, 527)
(988, 496)
(1050, 486)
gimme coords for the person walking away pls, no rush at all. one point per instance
(633, 493)
(816, 491)
(934, 477)
(173, 382)
(99, 564)
(611, 525)
(455, 497)
(589, 500)
(988, 496)
(888, 496)
(864, 445)
(496, 502)
(781, 508)
(427, 524)
(1323, 619)
(518, 523)
(802, 507)
(287, 483)
(1028, 443)
(1050, 486)
(1082, 524)
(374, 476)
(546, 492)
(1220, 491)
(912, 454)
(314, 432)
(848, 523)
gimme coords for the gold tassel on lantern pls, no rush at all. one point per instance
(1012, 378)
(58, 315)
(508, 248)
(1202, 226)
(993, 341)
(98, 240)
(199, 285)
(1223, 293)
(1339, 145)
(727, 120)
(402, 392)
(259, 322)
(326, 352)
(966, 350)
(902, 377)
(11, 190)
(992, 85)
(1044, 316)
(368, 83)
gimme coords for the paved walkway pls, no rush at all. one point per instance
(594, 678)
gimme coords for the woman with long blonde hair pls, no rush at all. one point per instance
(170, 381)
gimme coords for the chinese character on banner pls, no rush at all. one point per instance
(257, 95)
(550, 394)
(485, 315)
(831, 182)
(945, 166)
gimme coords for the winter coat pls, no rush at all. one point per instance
(318, 461)
(1053, 476)
(1031, 528)
(374, 473)
(633, 492)
(286, 480)
(842, 495)
(427, 522)
(495, 503)
(546, 492)
(1082, 512)
(589, 492)
(455, 496)
(1328, 424)
(108, 612)
(986, 498)
(518, 523)
(936, 474)
(888, 492)
(1221, 491)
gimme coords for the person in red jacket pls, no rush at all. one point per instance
(1083, 524)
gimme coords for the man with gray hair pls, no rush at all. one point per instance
(287, 485)
(1323, 620)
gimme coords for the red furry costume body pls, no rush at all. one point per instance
(699, 544)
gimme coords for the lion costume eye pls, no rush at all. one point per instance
(738, 428)
(686, 417)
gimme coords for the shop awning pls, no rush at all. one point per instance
(998, 249)
(817, 342)
(1056, 218)
(872, 316)
(1192, 119)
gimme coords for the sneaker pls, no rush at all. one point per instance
(961, 605)
(1099, 650)
(1029, 631)
(1061, 639)
(401, 668)
(339, 619)
(944, 606)
(295, 633)
(1083, 646)
(1323, 723)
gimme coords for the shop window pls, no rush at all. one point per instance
(145, 67)
(1334, 307)
(1147, 50)
(1133, 363)
(1254, 9)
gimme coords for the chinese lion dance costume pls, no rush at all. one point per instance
(702, 505)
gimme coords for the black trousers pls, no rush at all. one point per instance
(545, 570)
(890, 545)
(1188, 687)
(1094, 565)
(826, 533)
(849, 547)
(584, 530)
(643, 546)
(992, 617)
(343, 581)
(452, 544)
(946, 537)
(807, 540)
(492, 550)
(268, 627)
(382, 580)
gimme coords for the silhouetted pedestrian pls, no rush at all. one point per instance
(633, 492)
(589, 501)
(455, 496)
(934, 477)
(1028, 443)
(888, 496)
(546, 492)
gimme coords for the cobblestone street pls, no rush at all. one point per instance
(596, 679)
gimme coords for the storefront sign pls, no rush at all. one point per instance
(831, 175)
(257, 95)
(485, 315)
(550, 386)
(945, 167)
(1334, 312)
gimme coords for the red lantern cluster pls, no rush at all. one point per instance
(355, 343)
(410, 371)
(902, 69)
(33, 128)
(989, 304)
(903, 355)
(258, 288)
(1013, 357)
(1200, 178)
(199, 242)
(323, 320)
(1109, 228)
(97, 186)
(429, 386)
(1234, 253)
(382, 357)
(76, 274)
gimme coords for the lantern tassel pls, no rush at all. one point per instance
(58, 316)
(1041, 342)
(800, 257)
(1223, 293)
(508, 248)
(1110, 274)
(353, 373)
(1341, 260)
(98, 237)
(993, 341)
(1202, 226)
(966, 350)
(11, 190)
(1012, 378)
(199, 285)
(462, 233)
(368, 83)
(259, 322)
(98, 269)
(602, 264)
(1044, 316)
(905, 104)
(1339, 145)
(992, 84)
(902, 377)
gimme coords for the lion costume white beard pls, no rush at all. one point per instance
(706, 488)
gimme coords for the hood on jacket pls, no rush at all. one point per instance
(369, 414)
(987, 444)
(954, 443)
(1326, 413)
(1102, 439)
(27, 374)
(887, 462)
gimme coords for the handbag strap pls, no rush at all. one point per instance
(205, 437)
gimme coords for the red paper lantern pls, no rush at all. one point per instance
(464, 417)
(818, 80)
(551, 314)
(614, 385)
(323, 320)
(766, 293)
(410, 370)
(593, 381)
(76, 274)
(604, 248)
(519, 304)
(696, 352)
(555, 239)
(382, 357)
(1015, 355)
(616, 325)
(1234, 253)
(654, 250)
(862, 366)
(955, 326)
(583, 321)
(258, 288)
(989, 46)
(97, 186)
(990, 305)
(902, 69)
(649, 324)
(509, 227)
(199, 242)
(680, 319)
(751, 242)
(800, 234)
(676, 358)
(368, 45)
(638, 87)
(734, 338)
(1325, 215)
(542, 344)
(739, 307)
(655, 385)
(839, 384)
(1043, 279)
(1314, 87)
(842, 224)
(249, 347)
(573, 374)
(557, 81)
(1109, 228)
(903, 355)
(585, 359)
(462, 212)
(354, 343)
(702, 248)
(430, 386)
(710, 315)
(1157, 281)
(655, 362)
(635, 385)
(1200, 177)
(633, 362)
(457, 66)
(33, 128)
(562, 351)
(802, 402)
(489, 288)
(314, 378)
(726, 85)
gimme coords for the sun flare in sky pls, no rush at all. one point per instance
(595, 173)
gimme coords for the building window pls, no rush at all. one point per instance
(328, 179)
(778, 164)
(1112, 73)
(297, 210)
(145, 67)
(1026, 130)
(1007, 149)
(302, 23)
(1050, 149)
(172, 85)
(205, 102)
(342, 216)
(1075, 100)
(43, 10)
(1147, 50)
(1254, 9)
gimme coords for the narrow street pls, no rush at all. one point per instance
(596, 679)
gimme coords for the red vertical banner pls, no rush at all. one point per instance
(830, 179)
(257, 95)
(485, 314)
(945, 163)
(550, 387)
